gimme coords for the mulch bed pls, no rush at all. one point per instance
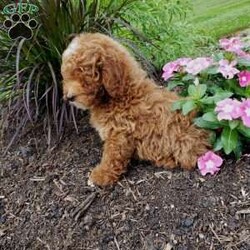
(45, 202)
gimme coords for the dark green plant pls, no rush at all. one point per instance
(30, 79)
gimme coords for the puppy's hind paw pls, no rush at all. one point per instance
(189, 163)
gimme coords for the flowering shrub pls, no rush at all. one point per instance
(218, 87)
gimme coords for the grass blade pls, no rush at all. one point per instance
(19, 48)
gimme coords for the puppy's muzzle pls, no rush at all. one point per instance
(68, 98)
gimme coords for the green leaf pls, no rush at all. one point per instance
(238, 150)
(218, 56)
(233, 124)
(218, 144)
(192, 91)
(201, 90)
(235, 87)
(188, 106)
(172, 85)
(177, 105)
(210, 117)
(188, 77)
(200, 122)
(211, 70)
(229, 140)
(217, 97)
(212, 137)
(243, 62)
(244, 130)
(197, 91)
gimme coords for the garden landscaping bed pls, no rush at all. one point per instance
(45, 202)
(45, 199)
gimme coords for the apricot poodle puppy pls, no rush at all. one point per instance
(131, 113)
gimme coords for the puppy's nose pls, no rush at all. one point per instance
(68, 98)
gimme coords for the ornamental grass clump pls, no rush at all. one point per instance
(30, 79)
(218, 88)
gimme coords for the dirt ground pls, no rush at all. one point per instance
(45, 202)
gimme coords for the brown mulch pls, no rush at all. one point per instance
(45, 202)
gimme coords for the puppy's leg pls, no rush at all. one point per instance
(118, 150)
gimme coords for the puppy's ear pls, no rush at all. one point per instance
(113, 77)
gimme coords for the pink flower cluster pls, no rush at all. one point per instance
(188, 65)
(230, 109)
(209, 163)
(235, 45)
(226, 68)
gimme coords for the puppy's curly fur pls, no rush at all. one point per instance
(131, 113)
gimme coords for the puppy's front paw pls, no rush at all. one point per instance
(90, 183)
(102, 177)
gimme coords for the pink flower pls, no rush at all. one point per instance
(197, 65)
(228, 109)
(183, 61)
(209, 163)
(245, 116)
(233, 44)
(227, 69)
(244, 78)
(175, 66)
(169, 69)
